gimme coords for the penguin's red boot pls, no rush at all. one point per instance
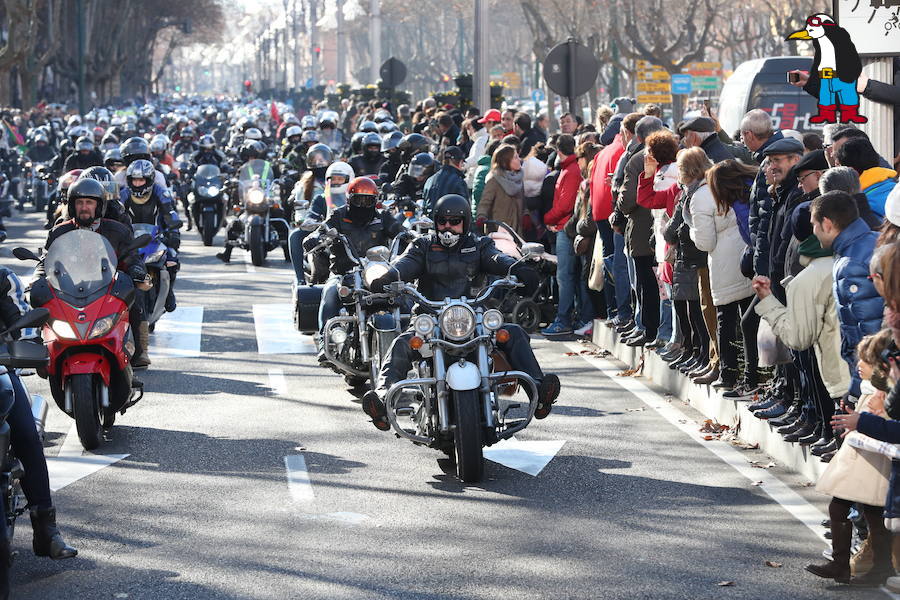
(849, 114)
(827, 114)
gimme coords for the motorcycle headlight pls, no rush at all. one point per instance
(212, 190)
(423, 325)
(338, 335)
(457, 321)
(103, 326)
(492, 319)
(373, 271)
(152, 258)
(255, 196)
(63, 329)
(203, 189)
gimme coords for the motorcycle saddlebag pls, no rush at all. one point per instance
(306, 308)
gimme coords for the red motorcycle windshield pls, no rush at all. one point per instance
(79, 265)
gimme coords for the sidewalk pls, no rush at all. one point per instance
(709, 402)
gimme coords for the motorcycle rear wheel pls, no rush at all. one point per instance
(467, 436)
(86, 406)
(207, 227)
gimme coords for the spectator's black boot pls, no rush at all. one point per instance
(48, 541)
(838, 568)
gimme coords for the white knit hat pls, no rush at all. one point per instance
(892, 206)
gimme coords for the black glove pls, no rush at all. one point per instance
(528, 277)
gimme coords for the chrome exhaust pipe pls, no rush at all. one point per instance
(104, 395)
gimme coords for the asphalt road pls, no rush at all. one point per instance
(630, 507)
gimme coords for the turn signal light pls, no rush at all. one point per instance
(344, 291)
(416, 342)
(502, 336)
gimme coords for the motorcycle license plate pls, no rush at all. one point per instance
(209, 208)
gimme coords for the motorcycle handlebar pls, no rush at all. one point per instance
(399, 287)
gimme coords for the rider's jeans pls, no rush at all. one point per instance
(25, 443)
(517, 348)
(295, 247)
(330, 306)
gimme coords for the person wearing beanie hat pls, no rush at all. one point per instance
(622, 106)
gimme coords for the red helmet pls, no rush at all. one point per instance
(65, 181)
(362, 192)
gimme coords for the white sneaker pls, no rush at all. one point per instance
(587, 329)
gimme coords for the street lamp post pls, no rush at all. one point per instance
(375, 39)
(481, 90)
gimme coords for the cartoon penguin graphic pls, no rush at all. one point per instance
(835, 69)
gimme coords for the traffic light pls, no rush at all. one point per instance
(248, 85)
(317, 50)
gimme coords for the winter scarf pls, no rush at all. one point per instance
(511, 181)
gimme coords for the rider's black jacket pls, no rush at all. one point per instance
(118, 237)
(41, 153)
(205, 157)
(379, 231)
(458, 271)
(77, 160)
(390, 167)
(366, 166)
(183, 147)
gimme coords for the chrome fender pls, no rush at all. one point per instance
(463, 375)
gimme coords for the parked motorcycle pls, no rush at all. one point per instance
(208, 200)
(154, 256)
(263, 231)
(454, 400)
(88, 334)
(16, 354)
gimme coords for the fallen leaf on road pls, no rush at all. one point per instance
(773, 564)
(725, 584)
(571, 354)
(634, 409)
(762, 466)
(713, 426)
(709, 438)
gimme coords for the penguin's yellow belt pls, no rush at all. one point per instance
(826, 74)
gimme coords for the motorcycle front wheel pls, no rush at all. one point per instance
(467, 436)
(257, 245)
(86, 406)
(207, 227)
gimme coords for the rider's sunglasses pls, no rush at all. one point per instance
(454, 221)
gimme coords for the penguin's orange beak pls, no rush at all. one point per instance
(799, 35)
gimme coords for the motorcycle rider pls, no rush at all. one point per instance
(58, 207)
(114, 209)
(86, 204)
(39, 150)
(292, 137)
(450, 263)
(207, 154)
(84, 156)
(186, 143)
(411, 184)
(318, 196)
(112, 160)
(146, 202)
(369, 161)
(449, 179)
(26, 443)
(393, 157)
(364, 227)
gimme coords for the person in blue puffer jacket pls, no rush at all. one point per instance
(837, 225)
(875, 181)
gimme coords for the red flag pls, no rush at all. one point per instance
(273, 110)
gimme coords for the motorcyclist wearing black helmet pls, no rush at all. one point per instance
(411, 184)
(187, 143)
(451, 263)
(39, 150)
(369, 161)
(114, 209)
(84, 156)
(132, 149)
(207, 154)
(364, 226)
(393, 157)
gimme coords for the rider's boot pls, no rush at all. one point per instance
(225, 255)
(48, 541)
(373, 405)
(548, 391)
(141, 359)
(171, 305)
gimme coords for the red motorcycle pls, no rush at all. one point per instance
(88, 334)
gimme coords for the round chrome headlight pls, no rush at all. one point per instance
(338, 335)
(457, 321)
(373, 271)
(423, 325)
(213, 190)
(255, 196)
(492, 319)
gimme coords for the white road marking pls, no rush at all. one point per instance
(178, 333)
(74, 463)
(790, 500)
(527, 456)
(275, 333)
(248, 262)
(299, 484)
(277, 382)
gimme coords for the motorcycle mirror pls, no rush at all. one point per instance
(378, 254)
(532, 249)
(33, 318)
(25, 254)
(138, 242)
